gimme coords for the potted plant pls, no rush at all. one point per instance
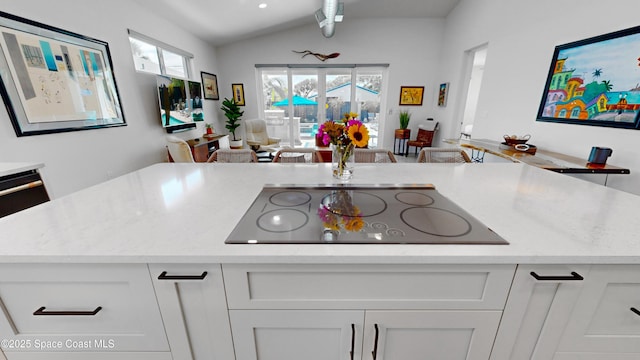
(403, 132)
(233, 114)
(209, 128)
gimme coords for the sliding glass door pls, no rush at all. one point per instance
(297, 100)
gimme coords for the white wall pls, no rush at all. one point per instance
(521, 37)
(80, 159)
(410, 46)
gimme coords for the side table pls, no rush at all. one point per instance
(200, 147)
(400, 141)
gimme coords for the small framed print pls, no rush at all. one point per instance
(210, 86)
(411, 95)
(442, 94)
(238, 93)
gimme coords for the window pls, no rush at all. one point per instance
(155, 57)
(296, 100)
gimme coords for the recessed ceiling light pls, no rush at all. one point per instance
(262, 5)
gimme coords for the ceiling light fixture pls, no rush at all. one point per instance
(262, 5)
(331, 12)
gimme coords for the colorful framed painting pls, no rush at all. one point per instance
(595, 81)
(411, 95)
(53, 80)
(442, 94)
(238, 93)
(210, 86)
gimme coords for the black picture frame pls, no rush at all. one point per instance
(210, 86)
(54, 80)
(238, 94)
(595, 81)
(411, 95)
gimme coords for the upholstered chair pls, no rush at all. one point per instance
(179, 150)
(257, 136)
(296, 155)
(443, 155)
(233, 156)
(373, 156)
(424, 138)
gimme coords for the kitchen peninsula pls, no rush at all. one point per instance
(156, 238)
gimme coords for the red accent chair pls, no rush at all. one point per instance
(424, 139)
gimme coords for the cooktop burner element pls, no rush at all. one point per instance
(335, 214)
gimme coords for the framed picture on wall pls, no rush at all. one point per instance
(442, 94)
(53, 80)
(595, 81)
(238, 93)
(210, 86)
(411, 95)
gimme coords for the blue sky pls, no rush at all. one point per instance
(618, 59)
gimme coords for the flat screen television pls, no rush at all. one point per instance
(180, 103)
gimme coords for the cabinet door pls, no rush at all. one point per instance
(603, 320)
(79, 308)
(297, 334)
(418, 335)
(537, 311)
(194, 310)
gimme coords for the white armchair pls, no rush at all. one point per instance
(257, 136)
(178, 150)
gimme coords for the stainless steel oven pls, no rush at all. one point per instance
(21, 191)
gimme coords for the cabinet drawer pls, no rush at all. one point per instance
(602, 320)
(367, 286)
(75, 307)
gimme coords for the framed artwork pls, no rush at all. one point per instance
(210, 86)
(411, 95)
(595, 82)
(238, 93)
(442, 94)
(53, 80)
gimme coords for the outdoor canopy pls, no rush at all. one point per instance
(297, 100)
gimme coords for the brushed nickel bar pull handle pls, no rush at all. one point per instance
(374, 353)
(635, 311)
(67, 313)
(574, 276)
(164, 276)
(353, 340)
(21, 187)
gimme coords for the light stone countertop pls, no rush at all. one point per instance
(15, 168)
(183, 213)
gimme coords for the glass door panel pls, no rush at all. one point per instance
(368, 89)
(275, 90)
(304, 122)
(338, 93)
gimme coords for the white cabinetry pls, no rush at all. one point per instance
(359, 312)
(572, 312)
(605, 322)
(194, 310)
(538, 308)
(297, 334)
(66, 311)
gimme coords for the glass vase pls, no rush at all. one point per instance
(342, 162)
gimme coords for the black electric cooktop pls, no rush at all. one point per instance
(358, 214)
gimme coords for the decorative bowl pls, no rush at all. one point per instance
(514, 140)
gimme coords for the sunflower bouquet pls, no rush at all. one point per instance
(344, 135)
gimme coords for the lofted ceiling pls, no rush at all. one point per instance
(223, 21)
